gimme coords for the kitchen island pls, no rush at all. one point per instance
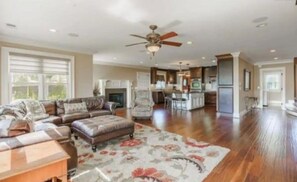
(193, 101)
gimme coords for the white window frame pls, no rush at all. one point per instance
(5, 70)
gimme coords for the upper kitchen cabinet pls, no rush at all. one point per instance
(171, 77)
(225, 70)
(154, 75)
(196, 72)
(209, 74)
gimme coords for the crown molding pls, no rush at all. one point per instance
(274, 62)
(40, 44)
(120, 65)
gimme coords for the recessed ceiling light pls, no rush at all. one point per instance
(276, 58)
(10, 25)
(262, 25)
(260, 19)
(189, 42)
(53, 30)
(73, 35)
(203, 57)
(214, 61)
(272, 50)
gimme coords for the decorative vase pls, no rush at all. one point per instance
(96, 91)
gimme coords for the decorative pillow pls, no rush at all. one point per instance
(10, 127)
(60, 104)
(75, 107)
(35, 110)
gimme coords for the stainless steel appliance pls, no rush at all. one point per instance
(196, 84)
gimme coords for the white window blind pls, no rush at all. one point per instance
(22, 63)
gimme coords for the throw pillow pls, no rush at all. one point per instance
(35, 110)
(75, 107)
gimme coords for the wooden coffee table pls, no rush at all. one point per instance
(38, 162)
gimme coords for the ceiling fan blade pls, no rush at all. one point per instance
(138, 36)
(177, 44)
(136, 44)
(168, 35)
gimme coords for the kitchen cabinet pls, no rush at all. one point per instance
(225, 83)
(196, 72)
(153, 75)
(171, 77)
(210, 98)
(158, 97)
(209, 74)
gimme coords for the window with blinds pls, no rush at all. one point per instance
(39, 77)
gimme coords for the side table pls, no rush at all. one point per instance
(38, 162)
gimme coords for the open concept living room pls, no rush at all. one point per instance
(148, 91)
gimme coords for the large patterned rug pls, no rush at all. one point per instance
(152, 156)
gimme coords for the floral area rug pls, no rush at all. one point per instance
(152, 156)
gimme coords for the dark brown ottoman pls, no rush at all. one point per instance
(100, 129)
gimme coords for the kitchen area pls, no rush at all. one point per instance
(196, 85)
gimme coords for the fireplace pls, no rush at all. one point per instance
(117, 95)
(118, 98)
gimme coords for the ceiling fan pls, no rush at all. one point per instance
(154, 40)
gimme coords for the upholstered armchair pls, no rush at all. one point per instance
(142, 105)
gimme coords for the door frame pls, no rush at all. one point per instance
(283, 70)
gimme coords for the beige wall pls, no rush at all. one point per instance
(289, 78)
(242, 93)
(83, 67)
(116, 72)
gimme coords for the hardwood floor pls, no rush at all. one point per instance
(263, 144)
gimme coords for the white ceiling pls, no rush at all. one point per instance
(214, 26)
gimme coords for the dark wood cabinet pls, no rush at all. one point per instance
(171, 77)
(210, 98)
(225, 71)
(196, 72)
(153, 75)
(158, 97)
(225, 83)
(209, 74)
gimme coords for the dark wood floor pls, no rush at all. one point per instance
(263, 143)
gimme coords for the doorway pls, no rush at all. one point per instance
(272, 87)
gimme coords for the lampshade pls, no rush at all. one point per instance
(153, 47)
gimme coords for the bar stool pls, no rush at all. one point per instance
(167, 99)
(178, 98)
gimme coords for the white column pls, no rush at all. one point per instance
(236, 113)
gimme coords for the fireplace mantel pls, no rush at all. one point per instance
(117, 84)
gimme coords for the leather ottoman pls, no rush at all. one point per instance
(100, 129)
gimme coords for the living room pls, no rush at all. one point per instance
(196, 91)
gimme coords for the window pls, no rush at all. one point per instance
(273, 81)
(40, 76)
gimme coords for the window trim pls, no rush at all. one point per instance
(5, 80)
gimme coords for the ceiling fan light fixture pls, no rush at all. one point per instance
(152, 47)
